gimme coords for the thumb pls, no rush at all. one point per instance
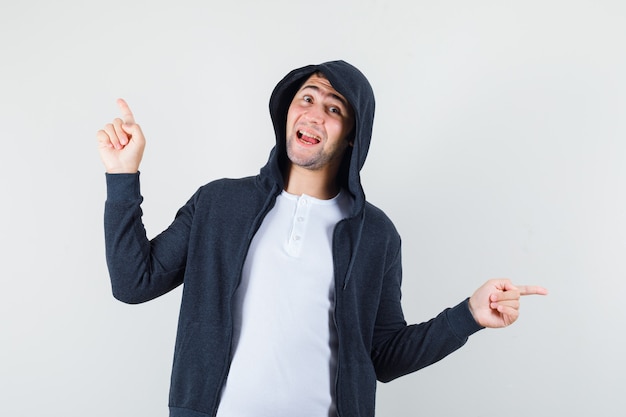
(505, 285)
(133, 130)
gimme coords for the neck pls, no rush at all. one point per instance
(320, 184)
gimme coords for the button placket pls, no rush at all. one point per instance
(299, 226)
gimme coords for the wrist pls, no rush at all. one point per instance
(473, 309)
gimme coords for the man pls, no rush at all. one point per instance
(291, 297)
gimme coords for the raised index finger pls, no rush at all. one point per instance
(531, 290)
(127, 115)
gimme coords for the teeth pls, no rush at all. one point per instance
(309, 135)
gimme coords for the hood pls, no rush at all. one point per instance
(351, 84)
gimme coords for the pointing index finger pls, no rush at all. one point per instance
(532, 290)
(127, 115)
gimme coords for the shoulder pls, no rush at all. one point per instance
(224, 184)
(379, 229)
(225, 187)
(376, 217)
(232, 193)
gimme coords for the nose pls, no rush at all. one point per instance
(315, 115)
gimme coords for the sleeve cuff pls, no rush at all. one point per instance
(123, 187)
(462, 321)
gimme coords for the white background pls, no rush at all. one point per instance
(498, 150)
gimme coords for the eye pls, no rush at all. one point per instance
(335, 110)
(308, 99)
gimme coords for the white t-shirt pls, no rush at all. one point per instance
(285, 343)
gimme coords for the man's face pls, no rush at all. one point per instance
(318, 123)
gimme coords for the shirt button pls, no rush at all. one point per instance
(296, 238)
(300, 219)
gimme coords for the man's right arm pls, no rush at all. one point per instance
(139, 269)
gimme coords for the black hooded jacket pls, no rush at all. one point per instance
(206, 245)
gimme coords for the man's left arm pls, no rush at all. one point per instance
(399, 349)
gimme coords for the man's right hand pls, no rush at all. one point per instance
(121, 143)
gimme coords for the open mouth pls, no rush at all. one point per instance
(308, 137)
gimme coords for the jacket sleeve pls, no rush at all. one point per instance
(398, 348)
(141, 269)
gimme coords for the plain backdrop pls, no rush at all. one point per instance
(498, 151)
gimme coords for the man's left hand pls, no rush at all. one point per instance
(496, 303)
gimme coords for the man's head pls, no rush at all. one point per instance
(320, 124)
(335, 160)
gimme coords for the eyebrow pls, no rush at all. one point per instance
(336, 96)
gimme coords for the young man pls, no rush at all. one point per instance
(291, 298)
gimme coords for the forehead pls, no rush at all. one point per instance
(321, 84)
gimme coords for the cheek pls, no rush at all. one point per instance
(292, 114)
(289, 124)
(341, 132)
